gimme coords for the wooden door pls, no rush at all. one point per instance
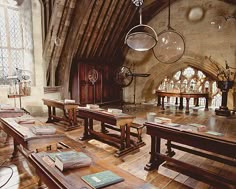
(104, 90)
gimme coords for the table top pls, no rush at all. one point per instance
(22, 130)
(60, 103)
(192, 128)
(105, 116)
(72, 178)
(224, 143)
(104, 112)
(181, 94)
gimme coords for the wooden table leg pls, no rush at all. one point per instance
(187, 106)
(169, 151)
(54, 111)
(90, 123)
(162, 103)
(158, 101)
(176, 100)
(127, 137)
(70, 117)
(50, 120)
(206, 104)
(15, 150)
(86, 133)
(181, 106)
(122, 137)
(154, 162)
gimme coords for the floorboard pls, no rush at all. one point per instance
(24, 176)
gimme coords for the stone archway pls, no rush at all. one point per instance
(156, 77)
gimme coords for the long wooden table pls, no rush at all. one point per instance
(69, 112)
(162, 94)
(222, 149)
(71, 179)
(121, 121)
(23, 136)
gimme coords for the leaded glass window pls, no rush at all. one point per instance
(16, 42)
(192, 80)
(188, 72)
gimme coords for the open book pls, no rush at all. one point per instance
(102, 179)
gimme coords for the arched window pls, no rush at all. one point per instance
(192, 80)
(16, 41)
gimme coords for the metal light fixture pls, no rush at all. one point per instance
(171, 45)
(141, 37)
(219, 21)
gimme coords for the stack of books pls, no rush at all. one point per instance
(24, 120)
(200, 127)
(70, 159)
(43, 130)
(69, 101)
(162, 120)
(92, 106)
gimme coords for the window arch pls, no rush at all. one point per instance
(192, 80)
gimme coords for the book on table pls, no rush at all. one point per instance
(162, 120)
(43, 130)
(102, 179)
(200, 127)
(70, 159)
(215, 133)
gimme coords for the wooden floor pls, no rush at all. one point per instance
(24, 176)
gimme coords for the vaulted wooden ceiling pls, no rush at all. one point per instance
(90, 31)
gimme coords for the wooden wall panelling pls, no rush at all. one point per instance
(104, 90)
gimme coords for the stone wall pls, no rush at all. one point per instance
(201, 38)
(33, 103)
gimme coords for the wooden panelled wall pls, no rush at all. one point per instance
(103, 91)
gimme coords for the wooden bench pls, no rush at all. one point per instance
(137, 134)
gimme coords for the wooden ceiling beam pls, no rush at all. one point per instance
(102, 25)
(120, 42)
(86, 22)
(119, 25)
(94, 27)
(113, 15)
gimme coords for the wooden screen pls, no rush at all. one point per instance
(104, 90)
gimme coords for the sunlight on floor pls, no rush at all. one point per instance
(9, 173)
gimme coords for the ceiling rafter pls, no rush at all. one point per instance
(95, 31)
(85, 29)
(101, 25)
(113, 15)
(119, 24)
(93, 28)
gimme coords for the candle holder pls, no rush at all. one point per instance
(226, 78)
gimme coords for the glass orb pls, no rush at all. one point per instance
(170, 47)
(141, 41)
(218, 22)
